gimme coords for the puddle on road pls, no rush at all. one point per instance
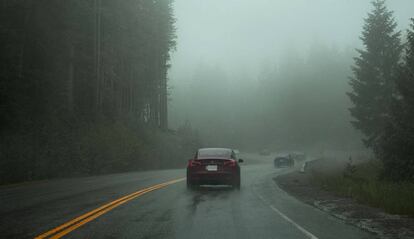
(209, 193)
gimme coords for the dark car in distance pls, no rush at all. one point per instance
(214, 166)
(284, 161)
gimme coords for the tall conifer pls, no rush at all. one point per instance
(374, 73)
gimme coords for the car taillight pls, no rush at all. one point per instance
(192, 163)
(230, 163)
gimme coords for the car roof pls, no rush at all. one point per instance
(224, 149)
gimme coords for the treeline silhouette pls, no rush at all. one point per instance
(83, 88)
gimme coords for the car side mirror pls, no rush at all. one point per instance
(241, 160)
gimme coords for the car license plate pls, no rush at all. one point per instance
(211, 168)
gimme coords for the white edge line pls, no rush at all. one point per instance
(303, 230)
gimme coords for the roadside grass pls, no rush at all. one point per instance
(362, 183)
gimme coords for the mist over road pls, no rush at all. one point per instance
(103, 102)
(259, 210)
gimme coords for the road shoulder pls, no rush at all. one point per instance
(367, 218)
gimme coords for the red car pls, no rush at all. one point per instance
(214, 166)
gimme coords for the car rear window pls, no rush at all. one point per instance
(214, 153)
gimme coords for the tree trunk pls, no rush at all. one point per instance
(98, 13)
(70, 78)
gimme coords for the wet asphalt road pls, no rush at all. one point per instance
(259, 210)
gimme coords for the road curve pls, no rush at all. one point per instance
(259, 210)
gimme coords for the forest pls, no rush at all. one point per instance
(298, 105)
(85, 85)
(383, 92)
(354, 98)
(83, 88)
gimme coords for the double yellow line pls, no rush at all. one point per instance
(73, 224)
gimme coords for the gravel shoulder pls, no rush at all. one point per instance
(384, 225)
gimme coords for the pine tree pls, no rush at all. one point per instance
(397, 143)
(374, 73)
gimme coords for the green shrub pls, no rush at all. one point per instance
(57, 150)
(366, 187)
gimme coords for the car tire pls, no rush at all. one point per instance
(236, 183)
(190, 185)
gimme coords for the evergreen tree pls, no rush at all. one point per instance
(374, 73)
(80, 64)
(397, 143)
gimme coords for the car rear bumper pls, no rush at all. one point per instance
(216, 178)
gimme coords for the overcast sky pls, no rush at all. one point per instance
(244, 34)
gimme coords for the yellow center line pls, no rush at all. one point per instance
(73, 224)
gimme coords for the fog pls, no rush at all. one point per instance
(269, 73)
